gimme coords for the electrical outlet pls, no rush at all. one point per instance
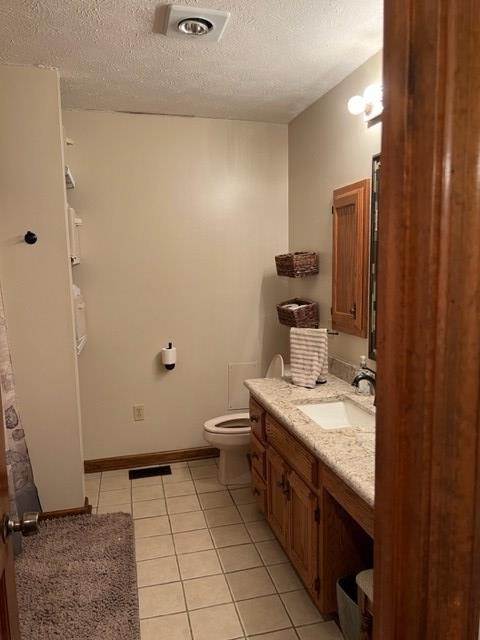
(138, 412)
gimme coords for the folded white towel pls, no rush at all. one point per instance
(308, 356)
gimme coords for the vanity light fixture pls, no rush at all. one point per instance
(370, 104)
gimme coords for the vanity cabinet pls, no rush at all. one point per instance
(293, 514)
(304, 518)
(277, 500)
(325, 529)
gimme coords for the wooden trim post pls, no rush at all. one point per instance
(427, 509)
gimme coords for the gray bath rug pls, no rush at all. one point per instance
(76, 580)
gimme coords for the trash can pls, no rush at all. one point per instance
(348, 609)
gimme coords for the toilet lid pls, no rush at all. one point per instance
(231, 423)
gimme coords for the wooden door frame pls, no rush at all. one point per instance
(427, 522)
(9, 621)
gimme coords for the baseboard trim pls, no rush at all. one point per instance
(64, 513)
(148, 459)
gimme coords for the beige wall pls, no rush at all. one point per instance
(328, 148)
(36, 280)
(182, 219)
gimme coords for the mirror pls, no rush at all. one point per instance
(375, 199)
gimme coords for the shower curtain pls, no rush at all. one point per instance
(21, 486)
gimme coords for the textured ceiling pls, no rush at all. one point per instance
(275, 58)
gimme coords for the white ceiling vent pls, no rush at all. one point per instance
(199, 24)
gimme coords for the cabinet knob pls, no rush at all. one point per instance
(253, 418)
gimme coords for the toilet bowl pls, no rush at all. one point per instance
(231, 435)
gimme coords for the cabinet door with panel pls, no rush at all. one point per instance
(303, 529)
(351, 215)
(277, 496)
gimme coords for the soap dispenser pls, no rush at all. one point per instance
(363, 387)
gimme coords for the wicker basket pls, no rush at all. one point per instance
(306, 315)
(297, 265)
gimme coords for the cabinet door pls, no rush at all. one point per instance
(351, 214)
(303, 533)
(277, 503)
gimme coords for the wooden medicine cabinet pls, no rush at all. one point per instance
(351, 215)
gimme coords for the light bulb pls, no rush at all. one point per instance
(373, 94)
(356, 105)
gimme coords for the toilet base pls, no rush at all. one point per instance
(233, 466)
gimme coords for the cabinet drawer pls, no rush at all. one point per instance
(259, 491)
(293, 451)
(257, 456)
(257, 420)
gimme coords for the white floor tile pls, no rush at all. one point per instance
(250, 513)
(116, 472)
(206, 592)
(300, 608)
(187, 521)
(285, 634)
(110, 483)
(217, 499)
(192, 541)
(285, 577)
(209, 471)
(177, 475)
(208, 485)
(151, 492)
(149, 508)
(91, 476)
(271, 552)
(260, 531)
(161, 600)
(251, 583)
(320, 631)
(243, 556)
(201, 462)
(173, 627)
(157, 571)
(222, 516)
(216, 623)
(202, 563)
(147, 482)
(183, 504)
(157, 526)
(243, 496)
(154, 547)
(179, 489)
(261, 615)
(118, 496)
(232, 534)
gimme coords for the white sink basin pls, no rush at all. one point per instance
(338, 414)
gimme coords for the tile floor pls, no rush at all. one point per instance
(208, 565)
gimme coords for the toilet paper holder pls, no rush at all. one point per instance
(169, 356)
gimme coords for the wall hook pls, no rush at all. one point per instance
(30, 237)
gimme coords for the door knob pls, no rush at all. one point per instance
(27, 524)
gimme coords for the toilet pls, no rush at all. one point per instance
(231, 435)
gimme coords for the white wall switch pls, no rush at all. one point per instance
(138, 412)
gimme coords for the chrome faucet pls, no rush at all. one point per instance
(365, 374)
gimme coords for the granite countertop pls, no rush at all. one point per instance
(349, 452)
